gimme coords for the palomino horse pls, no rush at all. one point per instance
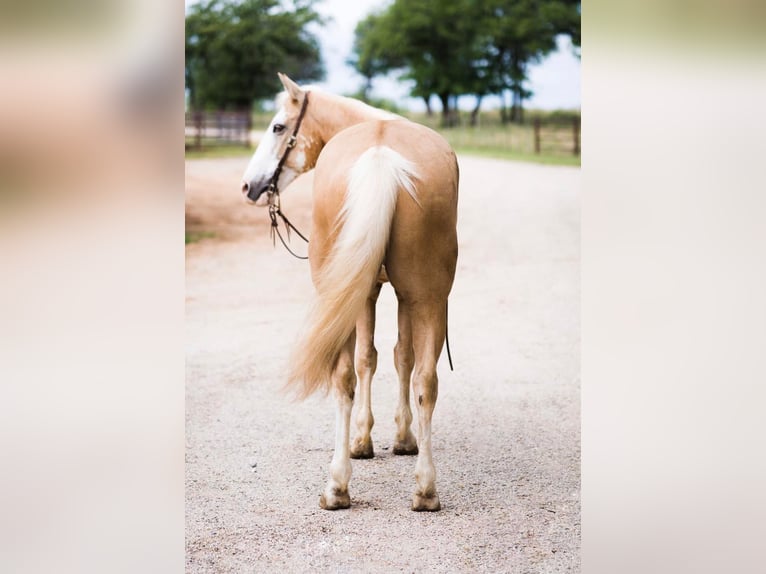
(385, 209)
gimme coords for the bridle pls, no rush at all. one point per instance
(275, 209)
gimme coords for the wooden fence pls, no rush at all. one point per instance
(211, 128)
(540, 133)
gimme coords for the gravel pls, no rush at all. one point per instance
(506, 429)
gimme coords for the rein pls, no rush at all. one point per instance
(275, 209)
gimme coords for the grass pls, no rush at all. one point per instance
(509, 154)
(195, 236)
(514, 142)
(492, 138)
(220, 151)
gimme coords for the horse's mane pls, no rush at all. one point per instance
(282, 96)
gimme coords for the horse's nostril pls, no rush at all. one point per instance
(245, 187)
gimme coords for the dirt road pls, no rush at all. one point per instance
(506, 429)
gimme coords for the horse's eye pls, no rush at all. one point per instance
(279, 128)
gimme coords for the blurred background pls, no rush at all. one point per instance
(496, 77)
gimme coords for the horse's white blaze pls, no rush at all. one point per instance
(266, 158)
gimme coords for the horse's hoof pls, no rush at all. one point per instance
(335, 500)
(361, 449)
(406, 447)
(425, 503)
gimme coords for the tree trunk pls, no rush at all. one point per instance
(504, 115)
(367, 88)
(454, 113)
(444, 98)
(522, 93)
(429, 110)
(475, 111)
(515, 114)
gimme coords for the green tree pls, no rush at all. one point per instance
(456, 47)
(234, 49)
(371, 55)
(429, 41)
(521, 33)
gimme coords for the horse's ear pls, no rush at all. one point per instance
(291, 87)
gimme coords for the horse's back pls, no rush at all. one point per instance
(431, 154)
(422, 251)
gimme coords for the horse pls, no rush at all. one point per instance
(385, 199)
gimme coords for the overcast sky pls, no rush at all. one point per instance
(555, 82)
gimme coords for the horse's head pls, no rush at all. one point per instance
(276, 142)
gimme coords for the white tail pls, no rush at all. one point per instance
(345, 281)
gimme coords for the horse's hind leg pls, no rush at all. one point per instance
(428, 330)
(336, 494)
(366, 362)
(404, 358)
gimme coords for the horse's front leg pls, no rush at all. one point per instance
(335, 495)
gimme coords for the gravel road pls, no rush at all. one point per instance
(506, 429)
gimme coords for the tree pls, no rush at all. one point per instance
(234, 49)
(456, 47)
(371, 56)
(429, 41)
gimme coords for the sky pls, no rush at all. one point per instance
(555, 82)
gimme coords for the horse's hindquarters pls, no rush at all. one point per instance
(410, 176)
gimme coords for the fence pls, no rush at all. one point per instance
(212, 128)
(550, 136)
(555, 135)
(540, 136)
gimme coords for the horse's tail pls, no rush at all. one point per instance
(345, 281)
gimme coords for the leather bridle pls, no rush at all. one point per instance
(273, 189)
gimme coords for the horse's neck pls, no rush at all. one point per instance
(336, 113)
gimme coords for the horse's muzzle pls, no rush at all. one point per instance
(253, 192)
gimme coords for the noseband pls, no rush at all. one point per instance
(273, 189)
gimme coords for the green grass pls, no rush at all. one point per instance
(219, 151)
(509, 154)
(195, 236)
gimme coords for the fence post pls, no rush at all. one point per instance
(576, 134)
(248, 127)
(537, 135)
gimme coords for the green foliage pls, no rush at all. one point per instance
(456, 47)
(234, 49)
(371, 54)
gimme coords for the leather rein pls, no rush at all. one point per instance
(275, 209)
